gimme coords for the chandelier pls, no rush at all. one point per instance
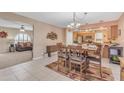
(75, 25)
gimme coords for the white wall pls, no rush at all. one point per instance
(40, 38)
(4, 45)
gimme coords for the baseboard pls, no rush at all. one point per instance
(45, 55)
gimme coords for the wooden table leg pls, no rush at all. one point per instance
(69, 66)
(81, 71)
(100, 69)
(58, 64)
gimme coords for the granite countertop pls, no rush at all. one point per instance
(113, 45)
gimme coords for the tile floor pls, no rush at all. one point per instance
(36, 71)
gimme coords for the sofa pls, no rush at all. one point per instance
(23, 46)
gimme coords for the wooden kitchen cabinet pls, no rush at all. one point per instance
(114, 32)
(105, 52)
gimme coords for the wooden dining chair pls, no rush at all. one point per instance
(78, 50)
(78, 63)
(63, 57)
(96, 56)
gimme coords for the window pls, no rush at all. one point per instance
(22, 38)
(99, 37)
(69, 38)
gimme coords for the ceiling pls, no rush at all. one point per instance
(14, 24)
(62, 19)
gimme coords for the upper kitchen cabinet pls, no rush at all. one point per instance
(114, 32)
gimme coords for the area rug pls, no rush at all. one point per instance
(92, 74)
